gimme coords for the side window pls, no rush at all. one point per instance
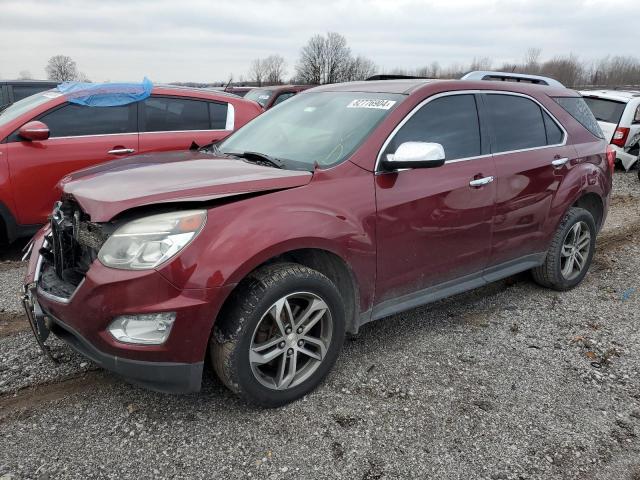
(76, 120)
(451, 121)
(218, 115)
(165, 114)
(578, 109)
(282, 97)
(554, 133)
(516, 121)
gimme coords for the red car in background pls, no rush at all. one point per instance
(44, 137)
(269, 97)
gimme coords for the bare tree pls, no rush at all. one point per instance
(567, 70)
(257, 71)
(274, 69)
(337, 57)
(25, 75)
(311, 66)
(83, 77)
(61, 68)
(359, 68)
(532, 60)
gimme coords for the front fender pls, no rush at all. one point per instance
(335, 213)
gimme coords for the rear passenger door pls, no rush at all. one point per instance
(531, 158)
(175, 123)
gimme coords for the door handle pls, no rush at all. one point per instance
(559, 162)
(479, 182)
(120, 151)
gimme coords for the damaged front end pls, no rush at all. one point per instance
(67, 250)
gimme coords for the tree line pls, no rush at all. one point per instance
(328, 59)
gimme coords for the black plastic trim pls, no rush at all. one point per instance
(165, 377)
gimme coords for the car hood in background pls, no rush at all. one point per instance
(108, 189)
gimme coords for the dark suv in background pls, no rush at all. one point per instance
(14, 90)
(346, 204)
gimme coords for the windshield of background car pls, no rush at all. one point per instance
(319, 127)
(260, 96)
(14, 110)
(606, 110)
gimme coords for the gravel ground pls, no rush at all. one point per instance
(510, 381)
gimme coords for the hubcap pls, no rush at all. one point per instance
(291, 340)
(575, 250)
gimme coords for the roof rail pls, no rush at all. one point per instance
(512, 77)
(392, 76)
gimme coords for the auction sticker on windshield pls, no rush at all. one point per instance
(365, 103)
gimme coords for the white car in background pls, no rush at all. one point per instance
(618, 113)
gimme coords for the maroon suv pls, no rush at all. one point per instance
(346, 204)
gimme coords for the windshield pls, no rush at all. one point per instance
(606, 110)
(321, 128)
(14, 110)
(260, 96)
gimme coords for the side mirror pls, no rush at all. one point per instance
(34, 131)
(415, 155)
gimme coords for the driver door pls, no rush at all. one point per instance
(434, 224)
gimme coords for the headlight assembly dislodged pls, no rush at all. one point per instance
(147, 242)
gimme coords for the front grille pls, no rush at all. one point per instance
(73, 245)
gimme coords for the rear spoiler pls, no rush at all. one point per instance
(512, 77)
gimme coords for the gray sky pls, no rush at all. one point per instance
(170, 40)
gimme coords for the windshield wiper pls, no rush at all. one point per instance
(259, 158)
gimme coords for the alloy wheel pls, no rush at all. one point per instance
(291, 340)
(575, 250)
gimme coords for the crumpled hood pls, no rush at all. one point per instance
(108, 189)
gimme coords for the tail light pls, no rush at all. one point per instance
(611, 158)
(620, 136)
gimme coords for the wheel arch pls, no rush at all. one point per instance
(592, 202)
(324, 260)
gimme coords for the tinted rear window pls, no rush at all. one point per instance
(164, 114)
(578, 109)
(517, 123)
(606, 110)
(24, 91)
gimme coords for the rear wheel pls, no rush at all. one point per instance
(280, 334)
(571, 252)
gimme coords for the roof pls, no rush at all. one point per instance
(283, 87)
(18, 82)
(183, 88)
(411, 85)
(377, 86)
(618, 95)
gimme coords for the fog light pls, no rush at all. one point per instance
(145, 329)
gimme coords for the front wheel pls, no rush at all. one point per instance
(280, 335)
(571, 251)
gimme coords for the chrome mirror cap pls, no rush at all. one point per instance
(416, 155)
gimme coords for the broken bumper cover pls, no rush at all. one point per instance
(167, 377)
(82, 320)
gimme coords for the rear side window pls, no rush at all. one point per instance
(451, 121)
(76, 120)
(218, 115)
(517, 123)
(554, 133)
(604, 110)
(578, 109)
(164, 114)
(282, 97)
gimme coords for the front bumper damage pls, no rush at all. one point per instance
(81, 319)
(167, 377)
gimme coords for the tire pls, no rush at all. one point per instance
(247, 325)
(555, 272)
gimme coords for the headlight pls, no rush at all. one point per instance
(147, 242)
